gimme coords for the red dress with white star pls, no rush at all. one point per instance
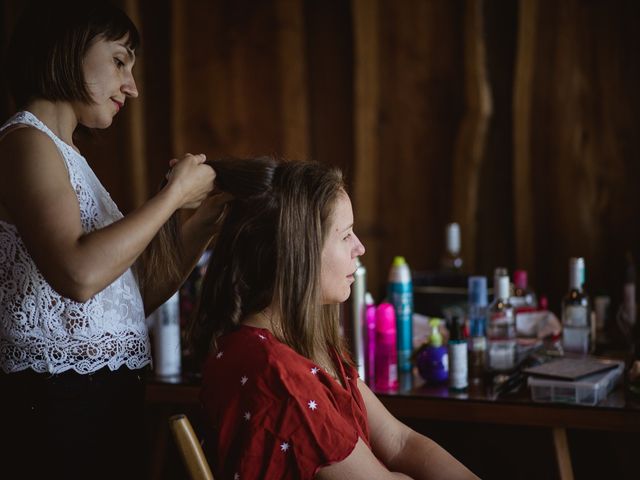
(275, 413)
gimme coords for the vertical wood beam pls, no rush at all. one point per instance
(522, 104)
(472, 136)
(178, 99)
(294, 95)
(136, 148)
(366, 98)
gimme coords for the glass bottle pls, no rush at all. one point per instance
(477, 313)
(501, 329)
(523, 298)
(458, 362)
(576, 321)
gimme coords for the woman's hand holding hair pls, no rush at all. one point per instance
(191, 180)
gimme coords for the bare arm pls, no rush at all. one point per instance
(361, 464)
(404, 450)
(36, 192)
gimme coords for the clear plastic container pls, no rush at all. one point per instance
(586, 391)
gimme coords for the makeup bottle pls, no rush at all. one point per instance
(501, 329)
(386, 353)
(165, 329)
(576, 317)
(458, 366)
(433, 358)
(370, 339)
(477, 327)
(400, 294)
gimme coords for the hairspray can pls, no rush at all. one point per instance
(167, 353)
(370, 338)
(386, 366)
(400, 294)
(358, 290)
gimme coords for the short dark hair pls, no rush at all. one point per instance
(49, 42)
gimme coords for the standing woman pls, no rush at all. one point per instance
(73, 295)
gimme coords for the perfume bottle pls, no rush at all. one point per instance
(501, 329)
(576, 317)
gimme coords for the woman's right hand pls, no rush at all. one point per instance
(191, 180)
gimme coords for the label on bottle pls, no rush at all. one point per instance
(401, 295)
(576, 316)
(479, 344)
(458, 365)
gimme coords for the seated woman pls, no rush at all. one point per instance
(279, 388)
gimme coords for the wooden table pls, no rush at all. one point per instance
(419, 402)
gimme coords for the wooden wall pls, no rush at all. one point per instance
(517, 119)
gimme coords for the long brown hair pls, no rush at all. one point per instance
(268, 253)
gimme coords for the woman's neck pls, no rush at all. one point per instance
(262, 319)
(58, 116)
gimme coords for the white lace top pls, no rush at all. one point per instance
(42, 330)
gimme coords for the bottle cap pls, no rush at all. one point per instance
(502, 290)
(398, 261)
(457, 325)
(478, 291)
(520, 279)
(385, 318)
(368, 299)
(435, 338)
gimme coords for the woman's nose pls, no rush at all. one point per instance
(129, 87)
(359, 248)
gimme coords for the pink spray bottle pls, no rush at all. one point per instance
(386, 353)
(370, 339)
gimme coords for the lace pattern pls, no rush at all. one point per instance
(47, 332)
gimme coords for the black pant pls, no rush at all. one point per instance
(73, 426)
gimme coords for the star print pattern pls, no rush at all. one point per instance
(219, 355)
(264, 398)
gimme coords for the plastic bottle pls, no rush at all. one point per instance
(167, 355)
(400, 294)
(458, 367)
(386, 353)
(370, 339)
(433, 357)
(477, 327)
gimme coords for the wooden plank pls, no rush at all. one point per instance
(472, 136)
(366, 111)
(522, 104)
(293, 79)
(136, 131)
(563, 455)
(178, 95)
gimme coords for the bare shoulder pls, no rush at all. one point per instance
(26, 144)
(34, 177)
